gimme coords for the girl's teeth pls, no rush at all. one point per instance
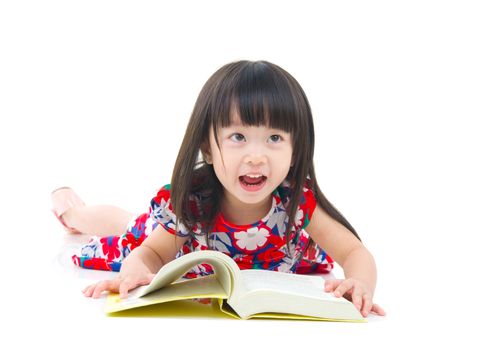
(252, 181)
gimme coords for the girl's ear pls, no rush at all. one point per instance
(207, 157)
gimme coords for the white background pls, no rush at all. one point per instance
(96, 95)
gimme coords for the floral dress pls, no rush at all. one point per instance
(261, 245)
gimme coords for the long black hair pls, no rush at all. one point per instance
(262, 93)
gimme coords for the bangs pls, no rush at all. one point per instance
(261, 94)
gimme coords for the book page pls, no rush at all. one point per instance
(172, 271)
(309, 286)
(203, 287)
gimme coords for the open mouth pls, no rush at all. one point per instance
(251, 181)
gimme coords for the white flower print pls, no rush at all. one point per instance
(220, 241)
(162, 214)
(252, 238)
(286, 265)
(91, 249)
(149, 226)
(157, 211)
(201, 239)
(299, 217)
(279, 219)
(132, 223)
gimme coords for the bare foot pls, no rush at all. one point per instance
(63, 199)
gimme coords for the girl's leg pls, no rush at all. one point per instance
(100, 220)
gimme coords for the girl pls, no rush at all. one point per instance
(253, 127)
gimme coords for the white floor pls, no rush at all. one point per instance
(47, 305)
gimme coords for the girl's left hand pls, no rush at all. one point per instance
(355, 291)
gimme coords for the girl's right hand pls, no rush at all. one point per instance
(122, 285)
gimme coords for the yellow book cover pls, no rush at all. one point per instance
(236, 294)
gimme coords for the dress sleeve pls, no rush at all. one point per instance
(307, 205)
(161, 211)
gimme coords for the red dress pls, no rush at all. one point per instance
(261, 245)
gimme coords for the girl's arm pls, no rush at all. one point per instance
(140, 266)
(161, 247)
(357, 262)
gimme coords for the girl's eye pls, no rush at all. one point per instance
(238, 137)
(276, 138)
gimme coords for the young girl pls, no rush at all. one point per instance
(253, 127)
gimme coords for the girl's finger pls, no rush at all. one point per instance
(125, 286)
(357, 298)
(84, 290)
(88, 291)
(330, 285)
(344, 287)
(103, 286)
(99, 288)
(367, 305)
(129, 284)
(378, 310)
(92, 289)
(124, 289)
(147, 279)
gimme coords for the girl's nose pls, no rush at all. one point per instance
(256, 159)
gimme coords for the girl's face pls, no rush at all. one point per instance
(250, 150)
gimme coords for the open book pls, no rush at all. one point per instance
(240, 293)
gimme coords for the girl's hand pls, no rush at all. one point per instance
(122, 285)
(355, 291)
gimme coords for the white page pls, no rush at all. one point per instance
(311, 286)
